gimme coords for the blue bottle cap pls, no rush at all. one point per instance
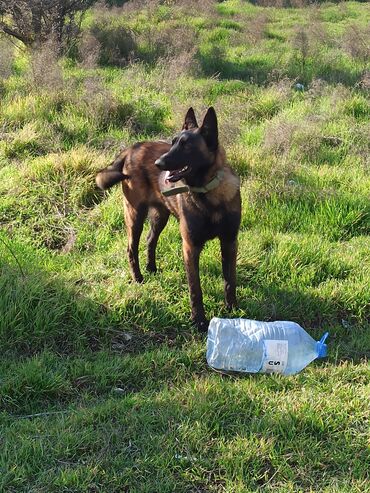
(321, 347)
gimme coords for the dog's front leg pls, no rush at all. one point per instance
(191, 258)
(229, 252)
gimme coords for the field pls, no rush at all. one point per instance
(104, 385)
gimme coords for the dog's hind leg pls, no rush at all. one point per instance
(158, 217)
(134, 218)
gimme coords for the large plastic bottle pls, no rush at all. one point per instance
(261, 347)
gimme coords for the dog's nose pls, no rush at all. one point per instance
(159, 162)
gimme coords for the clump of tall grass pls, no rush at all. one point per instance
(89, 50)
(33, 139)
(364, 82)
(311, 140)
(21, 109)
(356, 41)
(174, 43)
(50, 192)
(279, 136)
(101, 106)
(269, 101)
(114, 41)
(45, 72)
(6, 58)
(255, 29)
(290, 3)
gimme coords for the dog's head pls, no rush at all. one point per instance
(193, 150)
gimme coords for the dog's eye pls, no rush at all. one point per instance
(183, 142)
(186, 145)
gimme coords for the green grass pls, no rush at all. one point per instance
(104, 385)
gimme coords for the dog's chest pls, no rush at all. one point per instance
(206, 223)
(216, 217)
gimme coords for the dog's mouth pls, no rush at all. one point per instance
(176, 174)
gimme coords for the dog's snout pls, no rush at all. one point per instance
(159, 162)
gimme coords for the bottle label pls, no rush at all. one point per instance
(275, 357)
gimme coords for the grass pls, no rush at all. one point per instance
(104, 385)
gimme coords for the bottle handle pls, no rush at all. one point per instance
(321, 347)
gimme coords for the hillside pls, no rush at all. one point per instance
(116, 371)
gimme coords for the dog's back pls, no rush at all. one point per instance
(135, 168)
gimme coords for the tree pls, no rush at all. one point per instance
(34, 21)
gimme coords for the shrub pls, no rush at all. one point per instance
(34, 21)
(91, 109)
(301, 45)
(116, 42)
(169, 43)
(45, 72)
(89, 50)
(101, 106)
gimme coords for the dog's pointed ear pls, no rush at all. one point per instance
(209, 129)
(190, 120)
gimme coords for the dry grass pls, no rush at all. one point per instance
(365, 81)
(356, 41)
(308, 40)
(99, 104)
(279, 137)
(251, 29)
(300, 140)
(6, 58)
(316, 31)
(113, 44)
(207, 7)
(301, 44)
(169, 43)
(255, 29)
(89, 50)
(98, 101)
(317, 88)
(290, 3)
(45, 72)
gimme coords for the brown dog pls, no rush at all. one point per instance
(208, 205)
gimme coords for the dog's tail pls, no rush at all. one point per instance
(112, 174)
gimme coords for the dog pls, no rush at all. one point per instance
(208, 205)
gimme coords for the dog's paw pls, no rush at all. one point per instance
(231, 304)
(152, 269)
(201, 325)
(138, 278)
